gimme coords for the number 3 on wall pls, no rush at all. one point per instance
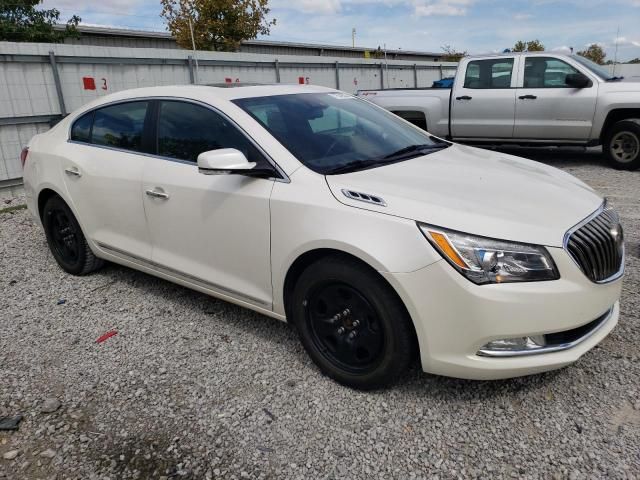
(104, 83)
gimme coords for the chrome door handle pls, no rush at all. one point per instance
(73, 171)
(157, 194)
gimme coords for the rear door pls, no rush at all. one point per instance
(547, 108)
(103, 173)
(483, 103)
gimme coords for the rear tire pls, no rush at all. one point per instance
(622, 145)
(66, 241)
(352, 324)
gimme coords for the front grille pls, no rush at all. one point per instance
(597, 245)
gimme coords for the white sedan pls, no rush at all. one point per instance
(379, 242)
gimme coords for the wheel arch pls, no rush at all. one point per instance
(44, 195)
(615, 116)
(309, 257)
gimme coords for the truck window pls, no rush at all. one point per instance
(546, 72)
(492, 73)
(417, 118)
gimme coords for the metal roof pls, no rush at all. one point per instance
(125, 32)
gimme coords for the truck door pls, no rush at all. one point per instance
(547, 108)
(483, 103)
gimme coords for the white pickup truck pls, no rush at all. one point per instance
(528, 98)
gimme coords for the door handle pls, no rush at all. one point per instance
(157, 194)
(527, 97)
(464, 97)
(73, 171)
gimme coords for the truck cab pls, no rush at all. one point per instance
(539, 98)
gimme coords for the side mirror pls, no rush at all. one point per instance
(223, 162)
(577, 80)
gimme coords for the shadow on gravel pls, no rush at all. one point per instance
(265, 329)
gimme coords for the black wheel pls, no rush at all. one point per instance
(622, 145)
(352, 324)
(66, 240)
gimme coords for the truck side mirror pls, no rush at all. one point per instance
(578, 80)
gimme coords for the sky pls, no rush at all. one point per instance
(475, 26)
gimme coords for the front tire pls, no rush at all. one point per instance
(352, 324)
(66, 241)
(622, 145)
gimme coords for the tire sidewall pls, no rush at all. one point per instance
(389, 313)
(56, 203)
(631, 126)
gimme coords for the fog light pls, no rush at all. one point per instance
(510, 345)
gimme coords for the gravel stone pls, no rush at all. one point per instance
(50, 405)
(184, 389)
(11, 454)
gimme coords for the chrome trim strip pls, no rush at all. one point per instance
(578, 226)
(554, 348)
(284, 178)
(182, 276)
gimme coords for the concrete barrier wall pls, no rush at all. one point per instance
(31, 96)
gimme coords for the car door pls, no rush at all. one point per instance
(484, 105)
(547, 108)
(103, 166)
(212, 230)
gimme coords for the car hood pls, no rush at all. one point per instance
(475, 191)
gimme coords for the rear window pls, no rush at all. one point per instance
(489, 74)
(81, 130)
(120, 126)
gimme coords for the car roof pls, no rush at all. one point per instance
(511, 54)
(209, 92)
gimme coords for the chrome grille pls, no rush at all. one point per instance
(596, 245)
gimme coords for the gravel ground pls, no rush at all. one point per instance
(192, 387)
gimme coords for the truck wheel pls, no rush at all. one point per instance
(352, 324)
(622, 145)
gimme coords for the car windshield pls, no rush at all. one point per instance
(599, 70)
(336, 133)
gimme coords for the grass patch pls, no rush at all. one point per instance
(15, 208)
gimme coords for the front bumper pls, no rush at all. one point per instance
(454, 318)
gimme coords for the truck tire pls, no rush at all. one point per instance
(622, 145)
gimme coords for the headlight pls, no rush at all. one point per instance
(486, 260)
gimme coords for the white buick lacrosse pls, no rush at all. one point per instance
(377, 241)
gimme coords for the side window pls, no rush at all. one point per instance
(492, 73)
(417, 118)
(120, 126)
(546, 72)
(186, 130)
(81, 130)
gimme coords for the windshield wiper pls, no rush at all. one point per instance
(615, 79)
(411, 149)
(402, 154)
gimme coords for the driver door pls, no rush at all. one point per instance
(547, 108)
(212, 230)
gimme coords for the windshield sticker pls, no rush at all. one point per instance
(340, 96)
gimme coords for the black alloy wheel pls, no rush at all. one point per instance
(66, 241)
(352, 323)
(345, 326)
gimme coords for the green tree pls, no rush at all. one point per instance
(219, 25)
(595, 53)
(530, 46)
(635, 60)
(20, 21)
(451, 54)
